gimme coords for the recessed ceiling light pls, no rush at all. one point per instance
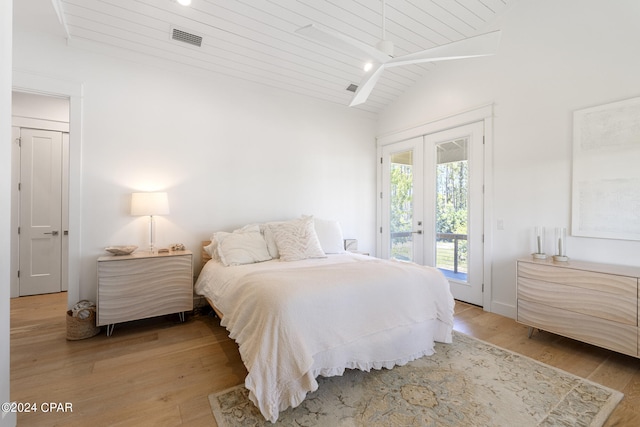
(184, 2)
(368, 66)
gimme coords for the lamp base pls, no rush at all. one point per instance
(539, 255)
(152, 232)
(560, 258)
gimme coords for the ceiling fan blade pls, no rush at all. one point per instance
(366, 86)
(482, 45)
(342, 42)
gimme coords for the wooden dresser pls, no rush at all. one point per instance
(590, 302)
(143, 284)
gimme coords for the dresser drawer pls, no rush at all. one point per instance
(621, 285)
(603, 305)
(143, 284)
(158, 265)
(600, 332)
(122, 308)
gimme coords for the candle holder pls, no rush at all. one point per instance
(538, 240)
(561, 245)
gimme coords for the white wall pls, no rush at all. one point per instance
(227, 152)
(5, 199)
(40, 111)
(555, 57)
(34, 106)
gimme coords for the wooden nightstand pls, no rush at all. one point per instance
(142, 285)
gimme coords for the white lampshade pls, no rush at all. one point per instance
(149, 203)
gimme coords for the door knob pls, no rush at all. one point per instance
(53, 233)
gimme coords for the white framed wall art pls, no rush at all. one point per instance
(606, 171)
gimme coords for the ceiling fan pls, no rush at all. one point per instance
(382, 54)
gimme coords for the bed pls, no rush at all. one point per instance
(295, 318)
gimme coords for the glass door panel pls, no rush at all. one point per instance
(401, 205)
(452, 213)
(402, 200)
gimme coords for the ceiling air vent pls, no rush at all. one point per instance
(352, 88)
(186, 37)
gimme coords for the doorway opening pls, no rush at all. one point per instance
(40, 194)
(432, 205)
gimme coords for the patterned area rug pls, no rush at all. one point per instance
(467, 383)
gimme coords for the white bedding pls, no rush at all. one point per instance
(296, 320)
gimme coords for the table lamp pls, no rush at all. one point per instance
(151, 204)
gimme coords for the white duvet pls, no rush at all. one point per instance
(296, 320)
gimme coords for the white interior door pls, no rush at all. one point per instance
(41, 232)
(454, 220)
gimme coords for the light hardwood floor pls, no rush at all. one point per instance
(159, 372)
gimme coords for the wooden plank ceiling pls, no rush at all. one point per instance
(254, 40)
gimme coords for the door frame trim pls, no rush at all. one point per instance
(485, 114)
(24, 81)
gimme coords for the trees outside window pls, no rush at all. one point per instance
(451, 213)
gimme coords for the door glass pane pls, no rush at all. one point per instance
(452, 196)
(401, 214)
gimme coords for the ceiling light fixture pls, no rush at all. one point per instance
(368, 66)
(184, 2)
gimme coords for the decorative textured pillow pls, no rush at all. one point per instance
(244, 246)
(330, 236)
(297, 239)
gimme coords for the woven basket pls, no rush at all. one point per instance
(79, 329)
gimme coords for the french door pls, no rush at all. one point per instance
(432, 205)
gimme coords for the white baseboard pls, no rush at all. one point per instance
(503, 309)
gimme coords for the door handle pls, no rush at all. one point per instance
(417, 232)
(53, 233)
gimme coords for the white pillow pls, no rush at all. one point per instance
(296, 239)
(330, 236)
(212, 248)
(271, 241)
(244, 246)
